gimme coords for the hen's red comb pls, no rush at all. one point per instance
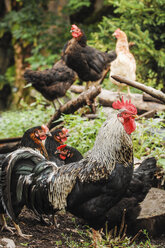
(124, 105)
(73, 26)
(45, 128)
(65, 130)
(61, 147)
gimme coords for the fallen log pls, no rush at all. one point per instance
(148, 98)
(106, 98)
(151, 91)
(71, 106)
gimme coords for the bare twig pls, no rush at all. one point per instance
(151, 91)
(72, 105)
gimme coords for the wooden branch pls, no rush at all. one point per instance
(151, 91)
(73, 105)
(148, 114)
(77, 89)
(10, 140)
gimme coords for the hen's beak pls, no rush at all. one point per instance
(48, 133)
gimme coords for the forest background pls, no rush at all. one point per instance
(33, 33)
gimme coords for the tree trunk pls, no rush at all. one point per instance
(19, 83)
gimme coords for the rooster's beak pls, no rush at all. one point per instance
(135, 116)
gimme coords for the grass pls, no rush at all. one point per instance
(115, 238)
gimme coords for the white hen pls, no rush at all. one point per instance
(124, 65)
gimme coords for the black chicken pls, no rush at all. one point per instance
(35, 138)
(142, 180)
(88, 188)
(89, 63)
(52, 83)
(57, 138)
(68, 154)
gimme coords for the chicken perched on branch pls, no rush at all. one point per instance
(89, 63)
(52, 83)
(125, 64)
(87, 188)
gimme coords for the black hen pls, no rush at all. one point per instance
(35, 138)
(52, 83)
(57, 138)
(89, 63)
(143, 179)
(68, 154)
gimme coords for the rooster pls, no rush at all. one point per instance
(89, 63)
(87, 188)
(124, 65)
(52, 83)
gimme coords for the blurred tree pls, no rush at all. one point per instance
(33, 32)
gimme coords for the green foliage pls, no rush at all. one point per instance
(82, 132)
(148, 139)
(74, 5)
(143, 22)
(15, 123)
(34, 27)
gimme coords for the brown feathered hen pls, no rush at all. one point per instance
(52, 83)
(89, 63)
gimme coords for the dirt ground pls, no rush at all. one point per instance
(70, 232)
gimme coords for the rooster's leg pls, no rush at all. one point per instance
(55, 223)
(4, 224)
(19, 232)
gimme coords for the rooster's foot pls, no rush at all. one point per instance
(55, 221)
(19, 232)
(7, 228)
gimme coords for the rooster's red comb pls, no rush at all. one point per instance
(124, 105)
(61, 147)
